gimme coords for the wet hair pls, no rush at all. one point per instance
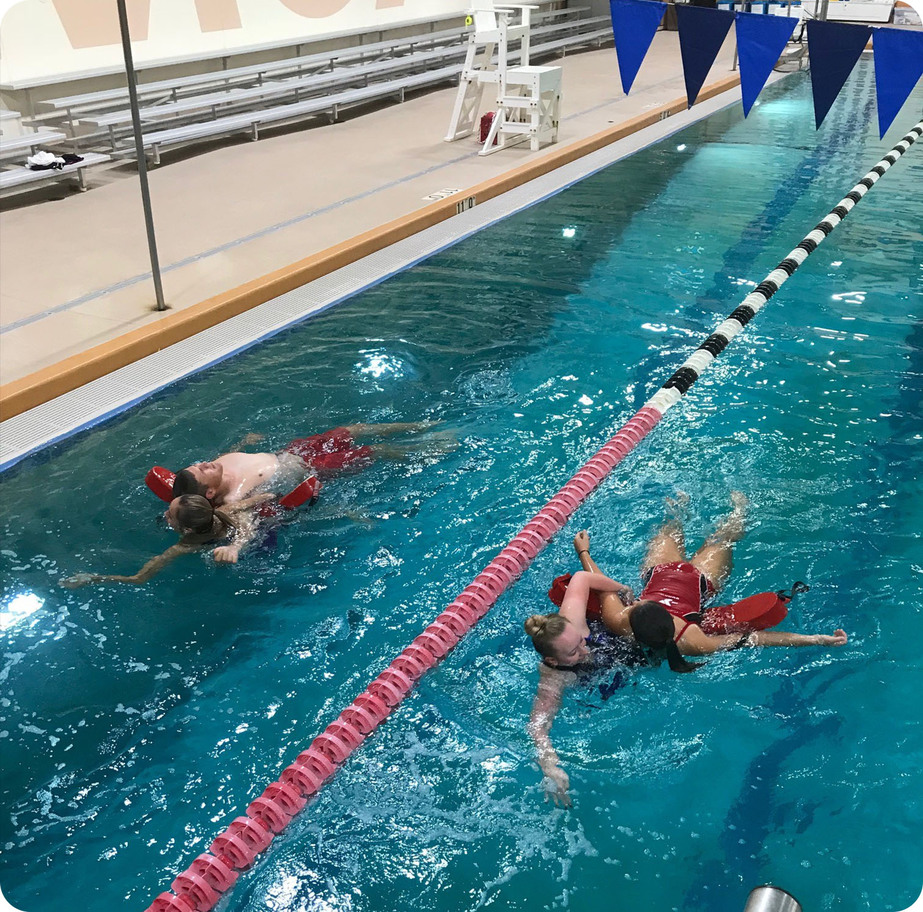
(652, 626)
(544, 630)
(196, 515)
(186, 483)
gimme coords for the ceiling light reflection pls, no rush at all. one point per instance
(18, 608)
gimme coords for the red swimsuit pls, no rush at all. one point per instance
(680, 587)
(331, 451)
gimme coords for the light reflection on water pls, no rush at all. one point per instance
(139, 722)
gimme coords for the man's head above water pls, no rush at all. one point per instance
(202, 478)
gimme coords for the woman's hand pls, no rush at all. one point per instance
(78, 580)
(227, 554)
(556, 783)
(582, 541)
(838, 638)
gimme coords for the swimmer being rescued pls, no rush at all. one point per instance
(222, 501)
(602, 625)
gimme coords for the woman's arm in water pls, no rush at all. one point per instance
(244, 534)
(248, 439)
(696, 642)
(545, 707)
(152, 567)
(248, 503)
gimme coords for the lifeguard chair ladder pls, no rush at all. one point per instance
(493, 30)
(528, 108)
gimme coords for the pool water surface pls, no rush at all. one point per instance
(136, 722)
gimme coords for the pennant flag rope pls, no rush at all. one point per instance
(701, 33)
(834, 49)
(898, 68)
(760, 42)
(634, 23)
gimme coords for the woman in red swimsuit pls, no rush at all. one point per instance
(673, 588)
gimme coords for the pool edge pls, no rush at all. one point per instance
(39, 387)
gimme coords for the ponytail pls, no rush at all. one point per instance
(225, 520)
(677, 662)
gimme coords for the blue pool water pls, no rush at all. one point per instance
(136, 722)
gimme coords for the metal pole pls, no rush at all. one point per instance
(771, 899)
(139, 150)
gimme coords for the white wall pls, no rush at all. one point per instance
(46, 41)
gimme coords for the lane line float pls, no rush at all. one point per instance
(214, 872)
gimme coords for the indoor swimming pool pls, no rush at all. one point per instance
(136, 722)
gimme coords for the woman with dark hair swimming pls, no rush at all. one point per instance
(199, 523)
(666, 619)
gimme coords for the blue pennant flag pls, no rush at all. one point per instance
(760, 42)
(701, 33)
(834, 48)
(898, 68)
(634, 23)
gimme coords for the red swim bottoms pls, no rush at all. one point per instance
(331, 451)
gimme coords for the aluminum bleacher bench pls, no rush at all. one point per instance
(22, 146)
(18, 177)
(220, 103)
(70, 106)
(251, 121)
(598, 37)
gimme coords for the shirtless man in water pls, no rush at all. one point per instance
(238, 483)
(234, 476)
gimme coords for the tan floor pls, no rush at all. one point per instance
(333, 182)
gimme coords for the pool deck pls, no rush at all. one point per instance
(238, 222)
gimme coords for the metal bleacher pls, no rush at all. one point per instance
(197, 107)
(15, 174)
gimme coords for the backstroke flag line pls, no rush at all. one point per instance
(760, 42)
(634, 23)
(834, 50)
(701, 33)
(898, 68)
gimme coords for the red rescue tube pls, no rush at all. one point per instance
(758, 612)
(160, 481)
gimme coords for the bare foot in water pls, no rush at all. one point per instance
(678, 507)
(733, 528)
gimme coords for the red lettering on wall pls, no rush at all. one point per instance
(218, 15)
(95, 23)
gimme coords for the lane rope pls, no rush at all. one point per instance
(201, 885)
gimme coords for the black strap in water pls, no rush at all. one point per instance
(796, 589)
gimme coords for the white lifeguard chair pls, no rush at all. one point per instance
(528, 98)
